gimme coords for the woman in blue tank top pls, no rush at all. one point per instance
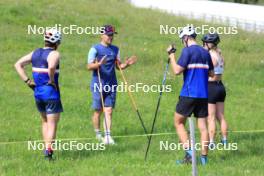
(45, 72)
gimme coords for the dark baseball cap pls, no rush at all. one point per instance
(108, 30)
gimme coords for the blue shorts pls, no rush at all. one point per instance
(49, 106)
(109, 100)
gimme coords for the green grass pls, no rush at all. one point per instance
(138, 34)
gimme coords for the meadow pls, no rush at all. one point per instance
(139, 34)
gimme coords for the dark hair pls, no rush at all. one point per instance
(49, 44)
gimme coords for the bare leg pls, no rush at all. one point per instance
(221, 118)
(179, 122)
(52, 121)
(107, 126)
(108, 119)
(211, 121)
(44, 127)
(204, 134)
(96, 119)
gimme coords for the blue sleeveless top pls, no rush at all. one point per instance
(41, 77)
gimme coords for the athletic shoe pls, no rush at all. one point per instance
(99, 137)
(224, 142)
(48, 154)
(108, 140)
(203, 160)
(186, 160)
(211, 146)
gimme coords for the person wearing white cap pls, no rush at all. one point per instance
(196, 65)
(45, 72)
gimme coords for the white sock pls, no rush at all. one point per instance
(97, 132)
(107, 133)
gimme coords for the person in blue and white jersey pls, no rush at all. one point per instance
(196, 65)
(45, 84)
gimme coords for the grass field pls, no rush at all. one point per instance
(138, 34)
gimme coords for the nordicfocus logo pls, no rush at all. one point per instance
(203, 29)
(165, 145)
(123, 87)
(66, 30)
(69, 145)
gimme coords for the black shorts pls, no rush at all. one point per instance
(49, 106)
(188, 106)
(216, 92)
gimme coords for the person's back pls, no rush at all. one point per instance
(196, 61)
(216, 90)
(196, 65)
(43, 91)
(45, 72)
(218, 61)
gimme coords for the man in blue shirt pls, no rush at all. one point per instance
(196, 65)
(45, 72)
(104, 57)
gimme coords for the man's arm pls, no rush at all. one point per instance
(53, 61)
(120, 65)
(21, 63)
(95, 65)
(92, 63)
(129, 61)
(20, 68)
(176, 68)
